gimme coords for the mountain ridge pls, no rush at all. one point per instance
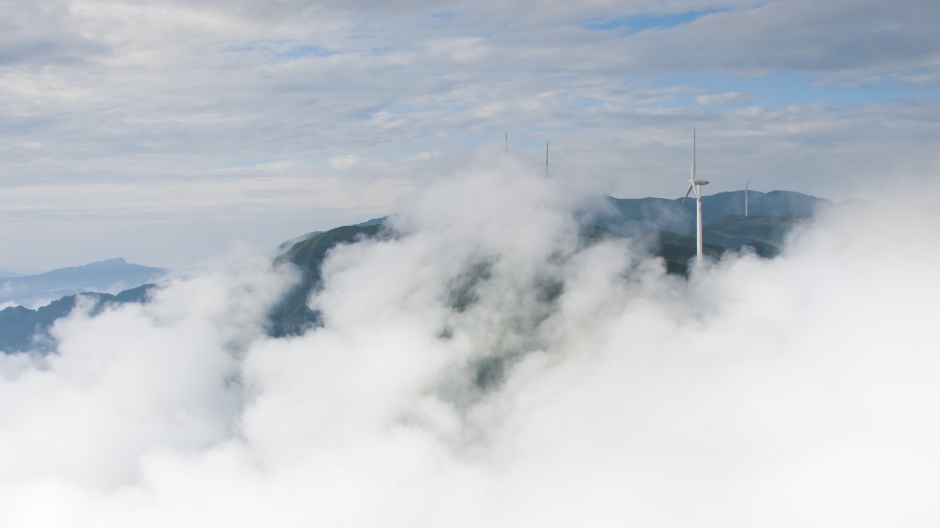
(624, 215)
(765, 235)
(103, 276)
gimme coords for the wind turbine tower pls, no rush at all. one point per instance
(745, 196)
(697, 186)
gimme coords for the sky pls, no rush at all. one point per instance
(169, 132)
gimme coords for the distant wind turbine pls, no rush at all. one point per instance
(745, 195)
(697, 185)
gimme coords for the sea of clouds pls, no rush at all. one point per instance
(484, 366)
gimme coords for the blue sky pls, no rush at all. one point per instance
(168, 132)
(635, 23)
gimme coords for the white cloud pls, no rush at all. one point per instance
(799, 390)
(343, 162)
(109, 91)
(728, 98)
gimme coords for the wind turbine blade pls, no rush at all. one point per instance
(693, 154)
(748, 183)
(686, 195)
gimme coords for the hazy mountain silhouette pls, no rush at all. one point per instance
(25, 329)
(107, 276)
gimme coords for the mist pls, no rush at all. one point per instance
(483, 365)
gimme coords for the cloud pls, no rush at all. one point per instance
(728, 98)
(483, 366)
(37, 33)
(343, 162)
(189, 95)
(796, 36)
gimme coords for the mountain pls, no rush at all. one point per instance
(764, 234)
(24, 329)
(627, 215)
(108, 276)
(18, 271)
(287, 244)
(677, 250)
(773, 216)
(292, 315)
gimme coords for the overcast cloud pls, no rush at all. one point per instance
(163, 132)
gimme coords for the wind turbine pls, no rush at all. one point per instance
(745, 195)
(697, 185)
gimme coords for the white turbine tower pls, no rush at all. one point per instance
(697, 185)
(745, 196)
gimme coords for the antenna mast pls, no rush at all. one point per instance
(546, 159)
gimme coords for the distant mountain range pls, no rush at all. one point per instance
(671, 228)
(629, 215)
(16, 271)
(106, 276)
(25, 329)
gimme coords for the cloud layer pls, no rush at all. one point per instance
(485, 367)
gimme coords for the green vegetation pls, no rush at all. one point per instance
(764, 234)
(679, 250)
(292, 316)
(24, 329)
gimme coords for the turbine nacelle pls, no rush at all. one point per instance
(692, 185)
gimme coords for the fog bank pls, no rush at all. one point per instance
(485, 366)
